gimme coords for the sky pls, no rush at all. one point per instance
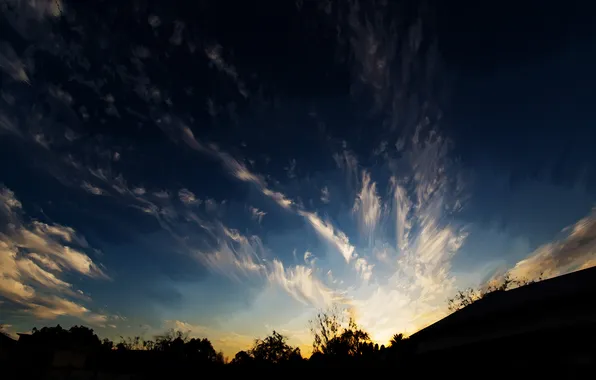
(229, 169)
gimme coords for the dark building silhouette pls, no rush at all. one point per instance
(7, 348)
(545, 326)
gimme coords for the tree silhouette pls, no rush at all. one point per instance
(351, 342)
(171, 341)
(107, 345)
(331, 335)
(242, 358)
(130, 344)
(324, 327)
(468, 296)
(396, 340)
(77, 338)
(274, 349)
(202, 350)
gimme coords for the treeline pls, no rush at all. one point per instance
(337, 340)
(334, 342)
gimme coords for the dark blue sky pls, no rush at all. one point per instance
(231, 167)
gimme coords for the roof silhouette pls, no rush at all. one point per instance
(554, 303)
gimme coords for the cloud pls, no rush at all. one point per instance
(39, 10)
(232, 254)
(325, 229)
(348, 162)
(10, 126)
(157, 203)
(301, 284)
(11, 64)
(336, 238)
(402, 207)
(257, 214)
(15, 290)
(235, 255)
(367, 207)
(91, 189)
(395, 63)
(577, 250)
(176, 38)
(8, 202)
(54, 307)
(418, 263)
(215, 55)
(45, 240)
(242, 258)
(309, 258)
(364, 268)
(30, 269)
(187, 197)
(40, 242)
(291, 169)
(163, 194)
(34, 256)
(325, 195)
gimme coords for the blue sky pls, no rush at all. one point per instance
(160, 174)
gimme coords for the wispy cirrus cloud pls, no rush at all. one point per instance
(367, 207)
(325, 196)
(91, 189)
(576, 250)
(224, 250)
(325, 230)
(425, 241)
(34, 256)
(215, 54)
(187, 197)
(417, 265)
(347, 161)
(244, 258)
(398, 281)
(240, 171)
(11, 64)
(257, 214)
(234, 254)
(299, 281)
(364, 268)
(54, 307)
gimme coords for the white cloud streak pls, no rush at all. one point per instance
(364, 268)
(257, 214)
(325, 196)
(425, 243)
(336, 238)
(325, 230)
(300, 282)
(242, 258)
(11, 64)
(33, 257)
(577, 250)
(235, 255)
(91, 189)
(187, 197)
(367, 207)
